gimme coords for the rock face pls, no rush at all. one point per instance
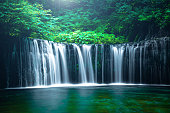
(32, 62)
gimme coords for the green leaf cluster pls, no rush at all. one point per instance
(89, 37)
(85, 21)
(22, 19)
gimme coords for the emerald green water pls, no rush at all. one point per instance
(104, 99)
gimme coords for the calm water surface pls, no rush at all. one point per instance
(104, 99)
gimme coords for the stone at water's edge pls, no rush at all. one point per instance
(32, 62)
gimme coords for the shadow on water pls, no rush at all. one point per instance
(103, 99)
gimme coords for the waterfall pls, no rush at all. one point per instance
(57, 62)
(118, 62)
(35, 62)
(132, 54)
(88, 62)
(102, 58)
(111, 62)
(96, 69)
(82, 70)
(141, 53)
(62, 50)
(45, 63)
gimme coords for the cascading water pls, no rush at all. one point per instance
(102, 55)
(88, 62)
(96, 69)
(62, 50)
(118, 62)
(132, 53)
(35, 62)
(82, 70)
(45, 63)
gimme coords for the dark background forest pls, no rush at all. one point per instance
(85, 21)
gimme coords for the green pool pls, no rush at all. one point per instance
(99, 99)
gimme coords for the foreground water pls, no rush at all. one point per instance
(103, 99)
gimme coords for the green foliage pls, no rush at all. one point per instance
(73, 20)
(85, 21)
(161, 17)
(89, 37)
(24, 19)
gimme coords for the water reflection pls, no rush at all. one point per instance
(117, 99)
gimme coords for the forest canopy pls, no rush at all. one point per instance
(85, 21)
